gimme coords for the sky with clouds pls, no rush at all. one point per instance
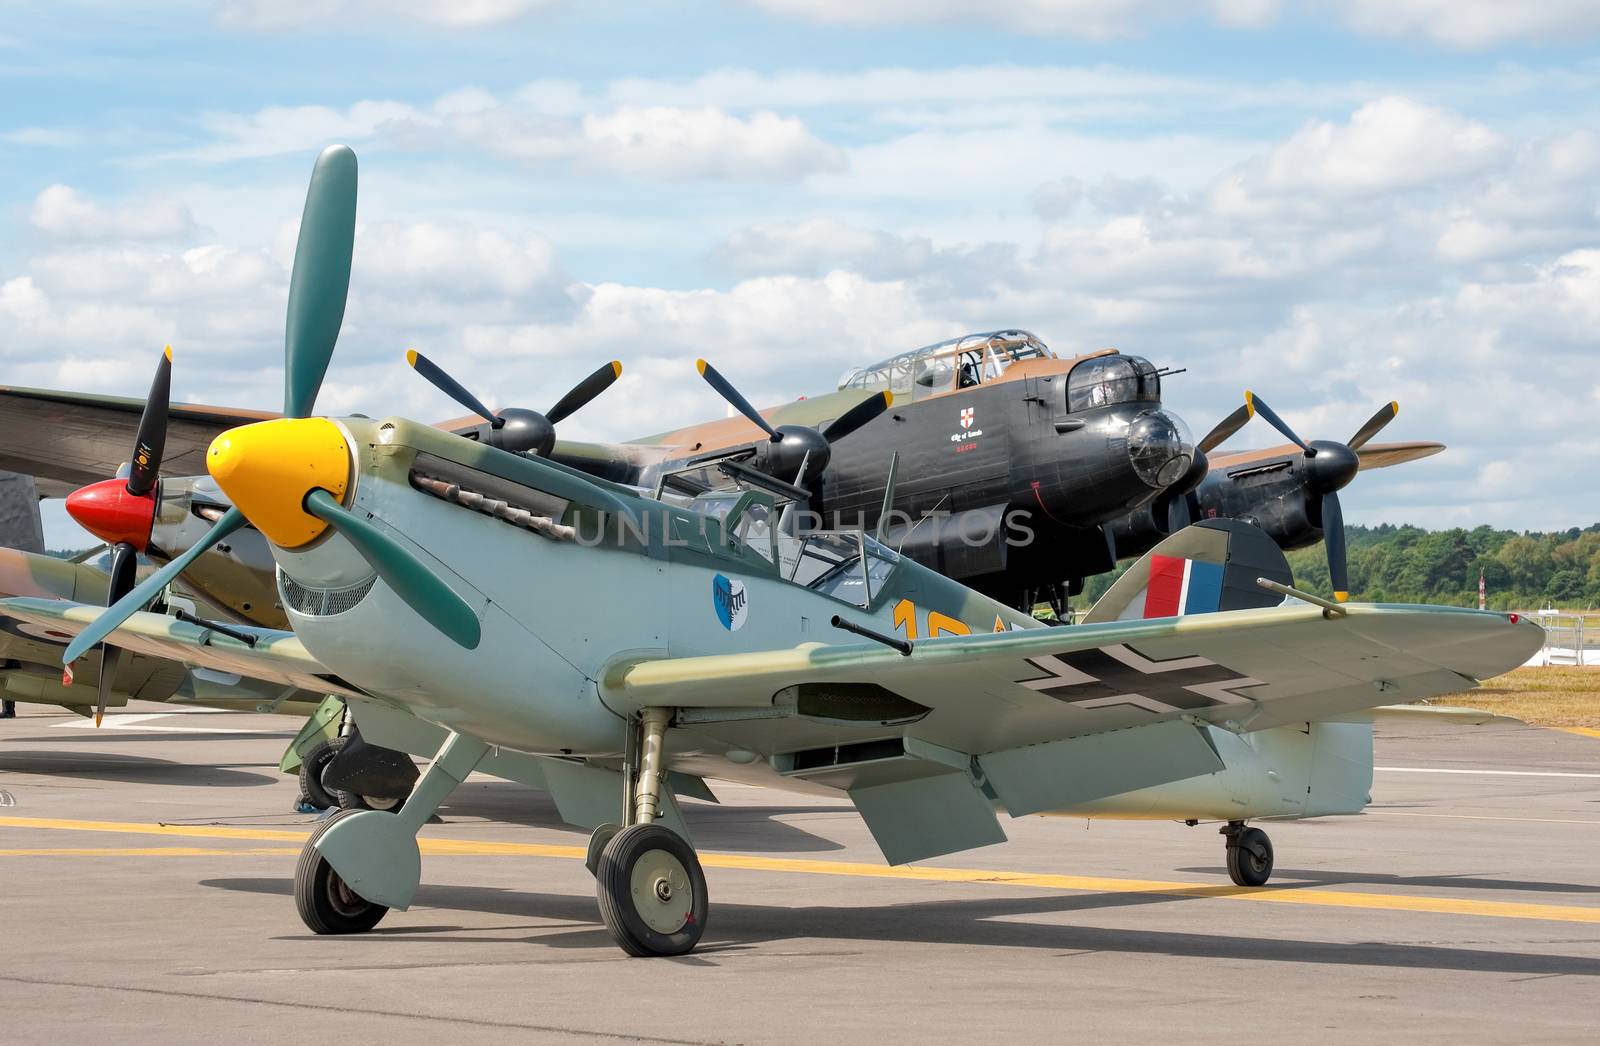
(1331, 202)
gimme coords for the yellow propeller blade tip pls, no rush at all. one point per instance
(1394, 407)
(1341, 597)
(700, 365)
(98, 716)
(411, 357)
(167, 352)
(888, 398)
(1250, 402)
(616, 368)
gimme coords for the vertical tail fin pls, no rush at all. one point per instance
(1202, 569)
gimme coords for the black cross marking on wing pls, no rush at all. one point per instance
(1104, 677)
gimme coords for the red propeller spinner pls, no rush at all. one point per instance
(113, 513)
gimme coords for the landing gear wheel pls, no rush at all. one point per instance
(1249, 857)
(353, 801)
(652, 892)
(311, 767)
(327, 905)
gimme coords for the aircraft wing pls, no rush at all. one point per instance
(276, 657)
(1382, 455)
(1047, 719)
(68, 439)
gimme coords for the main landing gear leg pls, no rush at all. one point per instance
(360, 863)
(1249, 854)
(651, 889)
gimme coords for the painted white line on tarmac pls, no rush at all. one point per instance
(1485, 773)
(138, 722)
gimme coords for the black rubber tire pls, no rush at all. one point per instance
(353, 801)
(614, 888)
(311, 766)
(326, 905)
(1250, 857)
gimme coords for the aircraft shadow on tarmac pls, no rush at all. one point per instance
(987, 922)
(1321, 879)
(129, 769)
(746, 829)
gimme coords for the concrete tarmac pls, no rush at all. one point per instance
(145, 898)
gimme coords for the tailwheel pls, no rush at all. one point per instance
(312, 764)
(357, 801)
(326, 902)
(1249, 855)
(652, 891)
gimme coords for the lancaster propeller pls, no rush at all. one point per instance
(256, 464)
(798, 451)
(517, 429)
(1329, 467)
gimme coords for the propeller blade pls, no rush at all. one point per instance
(450, 387)
(141, 596)
(320, 282)
(731, 394)
(1259, 405)
(857, 416)
(1374, 425)
(411, 579)
(1333, 537)
(1226, 428)
(1178, 514)
(110, 659)
(585, 390)
(151, 441)
(124, 561)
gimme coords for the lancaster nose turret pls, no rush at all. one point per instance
(1159, 448)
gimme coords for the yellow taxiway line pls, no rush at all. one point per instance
(1282, 894)
(1581, 731)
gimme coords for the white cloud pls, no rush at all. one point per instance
(1459, 23)
(1473, 23)
(450, 14)
(49, 137)
(1093, 19)
(63, 212)
(818, 245)
(646, 141)
(1387, 145)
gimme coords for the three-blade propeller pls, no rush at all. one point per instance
(127, 507)
(1329, 468)
(796, 453)
(517, 429)
(318, 289)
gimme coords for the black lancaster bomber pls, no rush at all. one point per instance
(1008, 461)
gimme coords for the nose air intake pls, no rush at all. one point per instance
(268, 468)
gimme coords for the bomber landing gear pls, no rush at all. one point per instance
(651, 888)
(1249, 854)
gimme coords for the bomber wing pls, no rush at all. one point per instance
(68, 439)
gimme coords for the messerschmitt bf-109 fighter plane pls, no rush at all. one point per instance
(542, 622)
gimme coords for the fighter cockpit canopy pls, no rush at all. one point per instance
(956, 363)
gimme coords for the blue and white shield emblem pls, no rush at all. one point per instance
(729, 599)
